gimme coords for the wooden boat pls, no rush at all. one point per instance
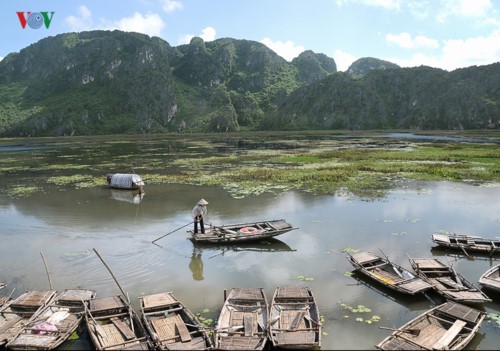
(447, 282)
(242, 323)
(242, 232)
(113, 325)
(16, 313)
(127, 181)
(294, 319)
(4, 298)
(450, 326)
(388, 273)
(171, 325)
(54, 323)
(467, 243)
(491, 279)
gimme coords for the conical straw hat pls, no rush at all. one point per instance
(203, 202)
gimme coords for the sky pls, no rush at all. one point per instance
(446, 34)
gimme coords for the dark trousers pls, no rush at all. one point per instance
(202, 226)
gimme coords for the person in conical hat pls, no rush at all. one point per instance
(199, 211)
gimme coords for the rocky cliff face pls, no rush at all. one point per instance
(104, 82)
(407, 98)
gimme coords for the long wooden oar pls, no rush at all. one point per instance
(415, 332)
(173, 231)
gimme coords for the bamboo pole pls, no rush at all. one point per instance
(47, 270)
(171, 232)
(125, 296)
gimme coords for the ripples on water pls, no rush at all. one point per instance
(66, 226)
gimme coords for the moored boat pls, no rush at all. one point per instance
(491, 279)
(447, 282)
(450, 326)
(242, 323)
(171, 325)
(54, 323)
(16, 313)
(129, 181)
(294, 319)
(467, 243)
(233, 233)
(388, 273)
(113, 325)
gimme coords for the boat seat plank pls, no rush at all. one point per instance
(248, 324)
(110, 335)
(428, 335)
(444, 342)
(246, 294)
(292, 319)
(106, 303)
(246, 319)
(123, 328)
(33, 299)
(157, 300)
(460, 311)
(197, 343)
(239, 342)
(292, 292)
(298, 337)
(168, 328)
(424, 263)
(365, 257)
(398, 343)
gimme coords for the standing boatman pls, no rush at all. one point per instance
(199, 210)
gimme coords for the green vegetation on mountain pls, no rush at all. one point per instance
(112, 82)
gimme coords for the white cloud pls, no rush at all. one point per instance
(388, 4)
(288, 50)
(459, 53)
(170, 6)
(406, 41)
(82, 22)
(343, 60)
(150, 24)
(207, 34)
(464, 8)
(1, 58)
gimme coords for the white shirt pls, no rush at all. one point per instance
(199, 210)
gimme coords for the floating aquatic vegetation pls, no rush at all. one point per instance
(73, 336)
(399, 234)
(360, 309)
(349, 249)
(348, 274)
(305, 279)
(22, 191)
(494, 318)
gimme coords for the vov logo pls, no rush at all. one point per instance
(35, 19)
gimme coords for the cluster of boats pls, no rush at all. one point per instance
(450, 325)
(43, 320)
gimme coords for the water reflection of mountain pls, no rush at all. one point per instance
(134, 197)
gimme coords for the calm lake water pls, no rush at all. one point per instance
(67, 224)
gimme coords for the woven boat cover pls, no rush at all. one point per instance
(121, 180)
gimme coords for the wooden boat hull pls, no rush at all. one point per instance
(450, 326)
(447, 282)
(294, 319)
(16, 313)
(388, 273)
(245, 232)
(467, 243)
(171, 325)
(491, 279)
(112, 324)
(53, 325)
(242, 323)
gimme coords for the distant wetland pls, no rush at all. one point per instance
(346, 191)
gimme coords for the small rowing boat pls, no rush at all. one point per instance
(233, 233)
(294, 319)
(53, 325)
(171, 325)
(491, 279)
(450, 326)
(387, 273)
(467, 243)
(127, 181)
(242, 323)
(447, 282)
